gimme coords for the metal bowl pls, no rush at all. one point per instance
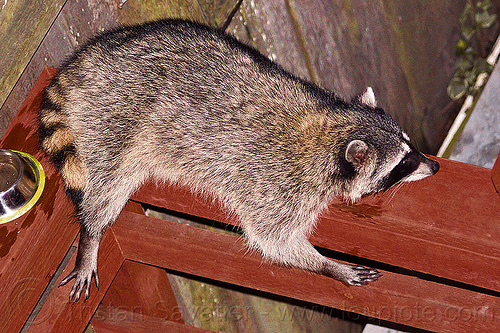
(21, 183)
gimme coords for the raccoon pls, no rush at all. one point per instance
(188, 104)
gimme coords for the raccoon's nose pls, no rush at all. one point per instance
(434, 166)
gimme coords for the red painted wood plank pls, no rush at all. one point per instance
(397, 298)
(132, 322)
(142, 289)
(60, 315)
(446, 225)
(33, 245)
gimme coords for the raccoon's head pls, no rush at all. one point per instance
(379, 153)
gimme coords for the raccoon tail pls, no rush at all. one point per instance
(58, 141)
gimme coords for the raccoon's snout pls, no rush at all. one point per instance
(433, 166)
(425, 168)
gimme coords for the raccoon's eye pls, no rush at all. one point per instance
(407, 163)
(405, 167)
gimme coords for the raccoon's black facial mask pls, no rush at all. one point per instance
(413, 166)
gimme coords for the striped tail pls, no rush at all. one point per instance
(58, 141)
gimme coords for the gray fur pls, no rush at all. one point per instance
(187, 104)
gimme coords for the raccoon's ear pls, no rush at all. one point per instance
(367, 98)
(357, 153)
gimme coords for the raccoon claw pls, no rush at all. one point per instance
(82, 280)
(360, 276)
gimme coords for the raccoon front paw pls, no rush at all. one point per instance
(83, 279)
(351, 274)
(359, 275)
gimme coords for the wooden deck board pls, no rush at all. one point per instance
(412, 229)
(58, 315)
(143, 289)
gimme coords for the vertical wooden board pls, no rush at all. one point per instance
(267, 26)
(23, 24)
(218, 12)
(427, 57)
(215, 13)
(141, 289)
(334, 37)
(404, 50)
(133, 12)
(351, 48)
(33, 245)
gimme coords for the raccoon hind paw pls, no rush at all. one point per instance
(83, 279)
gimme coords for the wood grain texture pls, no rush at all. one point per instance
(267, 26)
(214, 13)
(23, 24)
(46, 231)
(404, 50)
(140, 289)
(394, 297)
(131, 322)
(415, 229)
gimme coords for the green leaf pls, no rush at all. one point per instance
(469, 65)
(485, 19)
(456, 89)
(468, 31)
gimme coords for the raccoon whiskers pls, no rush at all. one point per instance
(394, 190)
